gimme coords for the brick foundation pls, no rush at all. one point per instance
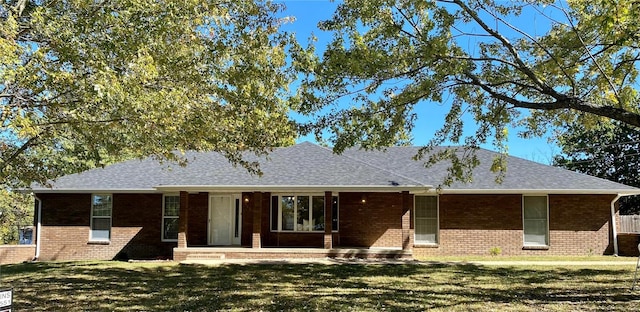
(16, 253)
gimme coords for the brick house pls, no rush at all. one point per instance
(310, 202)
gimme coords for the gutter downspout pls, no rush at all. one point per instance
(38, 228)
(613, 225)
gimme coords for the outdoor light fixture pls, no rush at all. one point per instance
(246, 199)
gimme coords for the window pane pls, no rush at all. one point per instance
(426, 219)
(170, 228)
(426, 206)
(334, 213)
(535, 207)
(318, 213)
(302, 223)
(101, 228)
(535, 232)
(535, 220)
(171, 206)
(426, 230)
(102, 205)
(287, 212)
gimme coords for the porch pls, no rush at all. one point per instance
(220, 253)
(242, 226)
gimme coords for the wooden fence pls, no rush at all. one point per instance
(630, 224)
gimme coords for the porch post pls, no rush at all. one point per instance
(183, 220)
(407, 205)
(257, 220)
(328, 220)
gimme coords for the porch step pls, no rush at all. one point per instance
(206, 256)
(216, 253)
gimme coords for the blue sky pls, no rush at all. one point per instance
(430, 115)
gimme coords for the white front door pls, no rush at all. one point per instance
(225, 220)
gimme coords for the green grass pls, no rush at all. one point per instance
(166, 286)
(586, 258)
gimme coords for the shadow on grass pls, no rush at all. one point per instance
(113, 286)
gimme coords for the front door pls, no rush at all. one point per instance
(225, 220)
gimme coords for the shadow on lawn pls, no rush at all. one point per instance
(276, 287)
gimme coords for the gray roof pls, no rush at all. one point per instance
(307, 166)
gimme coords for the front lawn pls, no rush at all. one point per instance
(167, 286)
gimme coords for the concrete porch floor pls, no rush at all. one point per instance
(220, 253)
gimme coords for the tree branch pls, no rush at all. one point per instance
(17, 152)
(584, 45)
(512, 50)
(562, 102)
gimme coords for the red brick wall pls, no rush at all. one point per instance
(473, 224)
(579, 224)
(315, 240)
(469, 225)
(628, 244)
(198, 219)
(16, 253)
(375, 223)
(135, 232)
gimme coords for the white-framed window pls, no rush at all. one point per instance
(535, 220)
(170, 217)
(101, 209)
(426, 220)
(301, 213)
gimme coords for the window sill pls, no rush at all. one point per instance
(99, 243)
(540, 247)
(426, 245)
(169, 240)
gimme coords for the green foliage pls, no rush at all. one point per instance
(486, 60)
(85, 83)
(610, 152)
(16, 211)
(495, 251)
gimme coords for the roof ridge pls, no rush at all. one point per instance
(384, 169)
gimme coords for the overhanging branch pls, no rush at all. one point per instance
(562, 102)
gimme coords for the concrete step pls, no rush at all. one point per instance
(206, 256)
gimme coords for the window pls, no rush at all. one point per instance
(301, 213)
(101, 207)
(170, 217)
(535, 220)
(426, 219)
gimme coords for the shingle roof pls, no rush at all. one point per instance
(521, 174)
(307, 165)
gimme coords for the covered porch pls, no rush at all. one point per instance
(251, 222)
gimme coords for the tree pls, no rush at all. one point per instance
(16, 212)
(536, 64)
(84, 83)
(608, 152)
